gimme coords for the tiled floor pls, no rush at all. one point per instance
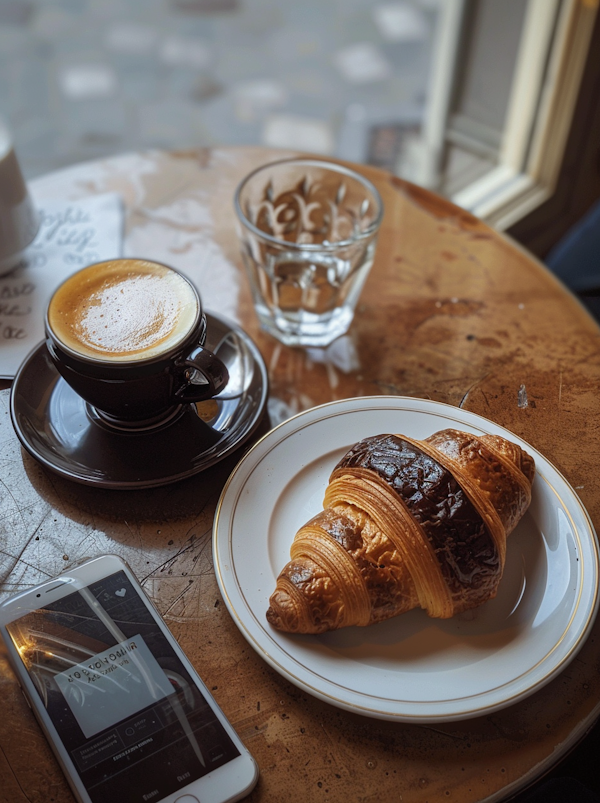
(80, 79)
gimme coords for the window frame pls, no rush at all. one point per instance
(552, 55)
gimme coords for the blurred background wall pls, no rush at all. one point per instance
(462, 96)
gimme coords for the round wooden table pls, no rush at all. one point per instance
(453, 312)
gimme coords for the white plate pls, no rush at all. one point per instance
(410, 668)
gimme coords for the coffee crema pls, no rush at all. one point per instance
(123, 310)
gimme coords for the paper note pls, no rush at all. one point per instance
(72, 234)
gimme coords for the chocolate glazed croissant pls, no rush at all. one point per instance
(406, 524)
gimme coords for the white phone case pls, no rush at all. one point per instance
(124, 703)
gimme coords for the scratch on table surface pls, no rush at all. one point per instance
(134, 534)
(18, 509)
(86, 537)
(204, 552)
(14, 775)
(178, 597)
(560, 384)
(4, 580)
(472, 387)
(193, 543)
(455, 736)
(17, 558)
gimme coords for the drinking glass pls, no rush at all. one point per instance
(308, 230)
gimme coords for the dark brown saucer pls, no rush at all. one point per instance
(67, 435)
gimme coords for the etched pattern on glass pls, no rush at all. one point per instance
(309, 215)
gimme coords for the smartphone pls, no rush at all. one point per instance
(122, 707)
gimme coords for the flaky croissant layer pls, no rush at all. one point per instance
(405, 524)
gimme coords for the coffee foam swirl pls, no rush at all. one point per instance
(123, 310)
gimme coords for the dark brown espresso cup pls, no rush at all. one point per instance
(128, 336)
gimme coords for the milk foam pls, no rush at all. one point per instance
(123, 310)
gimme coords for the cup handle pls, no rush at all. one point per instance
(211, 368)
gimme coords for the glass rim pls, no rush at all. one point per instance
(310, 162)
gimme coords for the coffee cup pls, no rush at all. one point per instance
(128, 336)
(19, 221)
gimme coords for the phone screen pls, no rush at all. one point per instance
(133, 721)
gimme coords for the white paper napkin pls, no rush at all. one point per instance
(72, 234)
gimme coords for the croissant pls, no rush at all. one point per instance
(406, 524)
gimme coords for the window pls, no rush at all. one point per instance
(503, 89)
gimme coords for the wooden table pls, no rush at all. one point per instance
(452, 311)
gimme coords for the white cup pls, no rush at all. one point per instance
(19, 221)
